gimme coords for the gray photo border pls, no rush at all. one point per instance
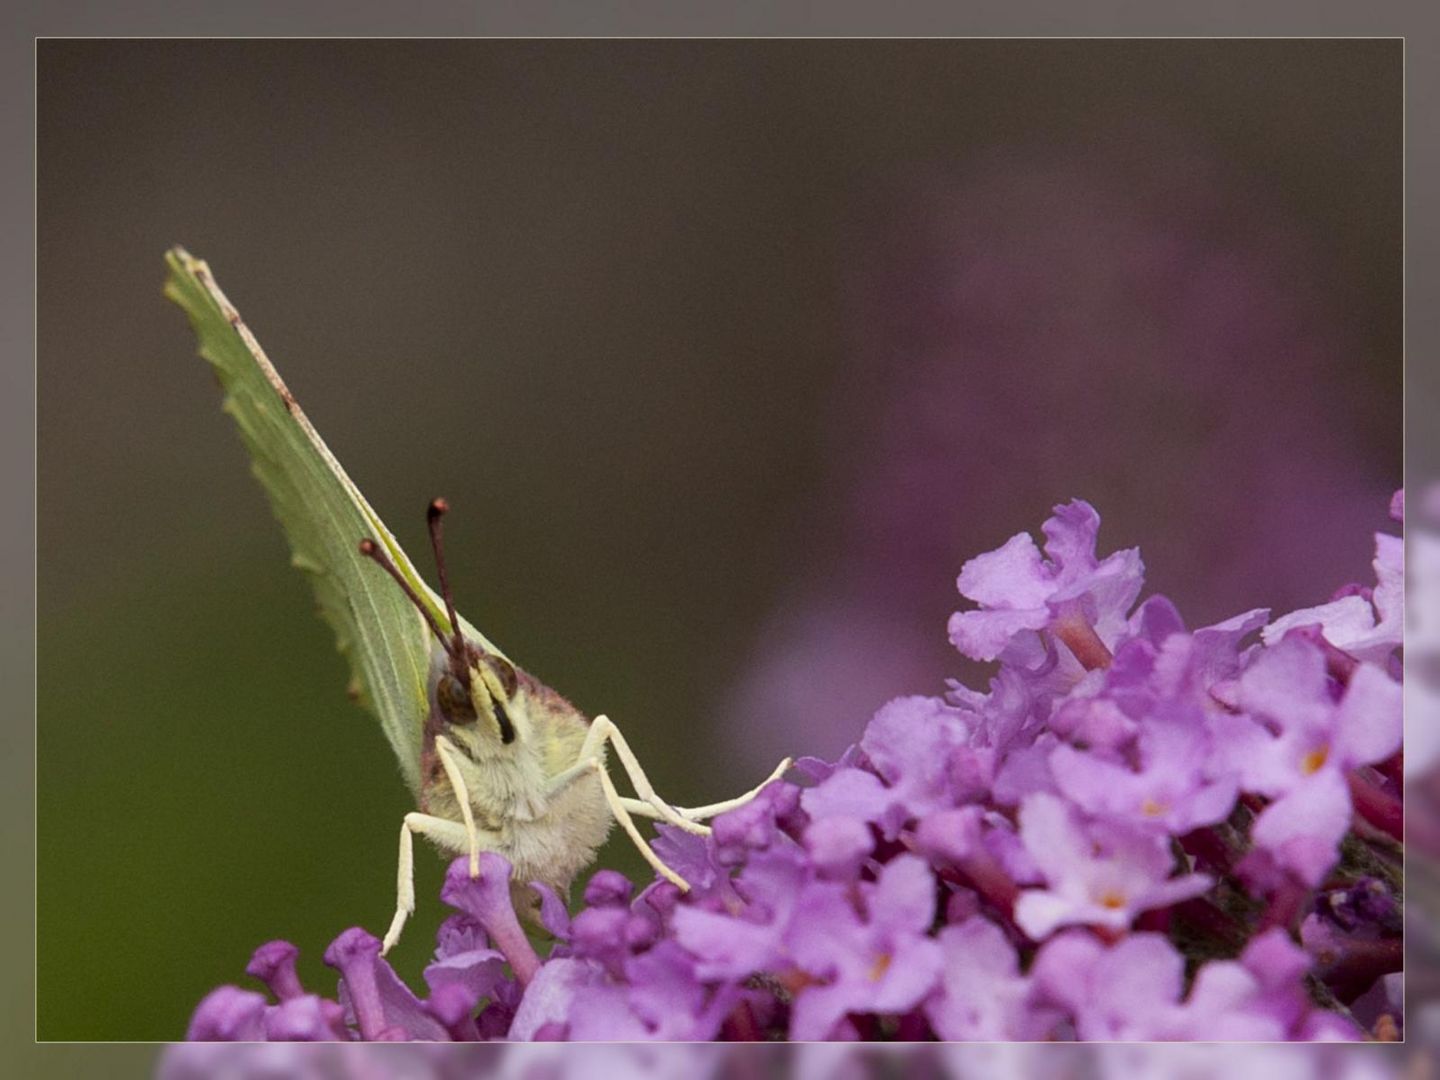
(449, 18)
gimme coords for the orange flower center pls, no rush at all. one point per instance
(880, 966)
(1311, 762)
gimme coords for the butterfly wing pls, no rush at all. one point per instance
(324, 516)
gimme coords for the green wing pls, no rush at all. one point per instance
(324, 517)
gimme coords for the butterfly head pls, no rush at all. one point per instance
(478, 694)
(478, 699)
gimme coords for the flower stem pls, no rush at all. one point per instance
(1082, 640)
(1379, 808)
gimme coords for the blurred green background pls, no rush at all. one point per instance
(587, 290)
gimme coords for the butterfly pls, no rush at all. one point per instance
(496, 759)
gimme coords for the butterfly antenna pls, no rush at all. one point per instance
(372, 550)
(433, 517)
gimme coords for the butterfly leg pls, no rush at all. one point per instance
(622, 815)
(649, 804)
(447, 753)
(447, 834)
(700, 813)
(602, 730)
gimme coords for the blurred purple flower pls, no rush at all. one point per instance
(1100, 315)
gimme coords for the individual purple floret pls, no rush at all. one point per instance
(1135, 831)
(486, 899)
(872, 957)
(1299, 740)
(982, 994)
(1084, 600)
(1100, 874)
(1367, 623)
(1135, 990)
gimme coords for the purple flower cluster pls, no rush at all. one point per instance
(1138, 831)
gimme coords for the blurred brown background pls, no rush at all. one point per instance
(650, 314)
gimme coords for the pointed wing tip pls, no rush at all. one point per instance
(183, 264)
(181, 261)
(183, 268)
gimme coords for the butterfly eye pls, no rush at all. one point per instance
(454, 700)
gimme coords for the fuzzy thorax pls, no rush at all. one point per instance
(516, 735)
